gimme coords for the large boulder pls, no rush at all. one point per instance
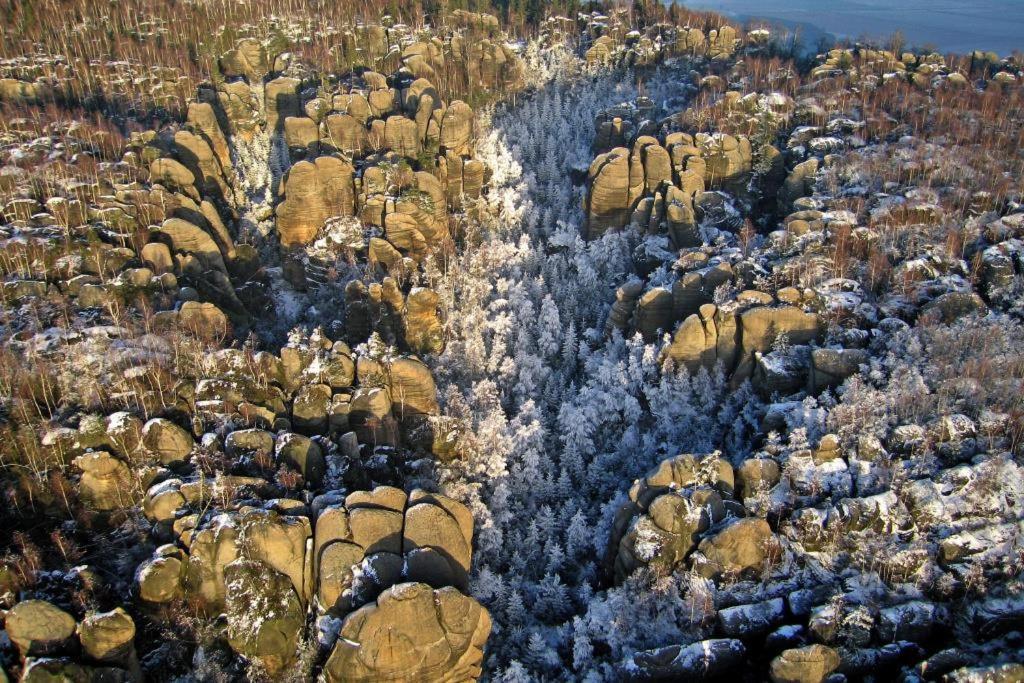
(667, 512)
(423, 330)
(196, 154)
(249, 59)
(433, 537)
(37, 627)
(279, 542)
(412, 388)
(202, 117)
(303, 454)
(158, 580)
(203, 319)
(799, 183)
(412, 633)
(706, 660)
(741, 547)
(171, 173)
(401, 135)
(107, 483)
(108, 637)
(343, 133)
(705, 339)
(281, 96)
(212, 549)
(167, 441)
(761, 326)
(188, 238)
(811, 664)
(457, 128)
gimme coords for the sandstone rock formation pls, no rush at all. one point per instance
(442, 635)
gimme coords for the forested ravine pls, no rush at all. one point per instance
(559, 416)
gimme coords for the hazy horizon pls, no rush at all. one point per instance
(995, 25)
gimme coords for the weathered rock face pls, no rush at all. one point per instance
(608, 201)
(314, 191)
(412, 633)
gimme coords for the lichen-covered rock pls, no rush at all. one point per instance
(412, 633)
(264, 614)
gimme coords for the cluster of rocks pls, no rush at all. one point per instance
(270, 487)
(377, 560)
(253, 523)
(856, 556)
(683, 515)
(742, 335)
(57, 647)
(694, 191)
(760, 531)
(610, 39)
